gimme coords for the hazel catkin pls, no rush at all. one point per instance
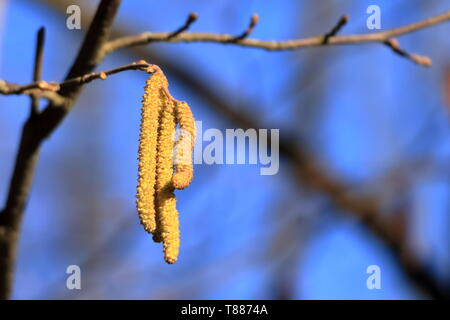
(151, 106)
(156, 201)
(167, 214)
(183, 146)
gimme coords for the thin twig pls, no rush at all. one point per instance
(37, 72)
(189, 21)
(420, 60)
(90, 53)
(9, 88)
(139, 65)
(253, 22)
(339, 25)
(48, 90)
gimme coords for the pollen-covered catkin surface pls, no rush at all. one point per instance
(152, 105)
(167, 214)
(183, 147)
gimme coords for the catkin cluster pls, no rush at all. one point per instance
(164, 164)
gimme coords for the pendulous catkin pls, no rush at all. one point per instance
(156, 201)
(167, 217)
(183, 146)
(151, 106)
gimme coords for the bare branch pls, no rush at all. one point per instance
(48, 90)
(97, 35)
(377, 37)
(9, 88)
(139, 65)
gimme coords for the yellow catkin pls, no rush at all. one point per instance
(156, 202)
(167, 214)
(151, 106)
(183, 147)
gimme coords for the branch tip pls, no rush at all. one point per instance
(253, 22)
(339, 25)
(192, 17)
(422, 60)
(394, 44)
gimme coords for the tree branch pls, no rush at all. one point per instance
(377, 37)
(90, 53)
(10, 216)
(45, 89)
(40, 89)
